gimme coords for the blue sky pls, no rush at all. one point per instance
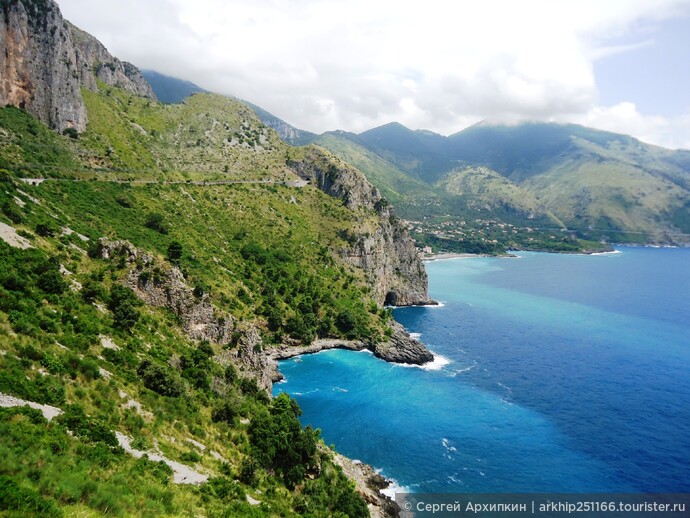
(656, 75)
(441, 65)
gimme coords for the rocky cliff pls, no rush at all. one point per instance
(385, 252)
(95, 62)
(161, 285)
(38, 64)
(46, 61)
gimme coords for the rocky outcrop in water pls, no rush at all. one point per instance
(45, 61)
(402, 348)
(387, 254)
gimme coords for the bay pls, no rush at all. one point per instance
(554, 373)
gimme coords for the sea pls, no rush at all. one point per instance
(552, 373)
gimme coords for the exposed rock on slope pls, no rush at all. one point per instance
(386, 253)
(166, 287)
(46, 60)
(94, 61)
(38, 68)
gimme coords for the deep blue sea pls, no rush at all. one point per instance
(554, 373)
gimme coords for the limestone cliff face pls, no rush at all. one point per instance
(45, 61)
(164, 286)
(386, 253)
(94, 61)
(38, 65)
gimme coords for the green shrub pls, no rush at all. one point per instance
(26, 501)
(156, 222)
(91, 429)
(160, 379)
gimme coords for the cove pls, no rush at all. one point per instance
(554, 373)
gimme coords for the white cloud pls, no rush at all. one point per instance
(673, 133)
(353, 64)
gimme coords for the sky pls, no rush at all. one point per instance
(440, 65)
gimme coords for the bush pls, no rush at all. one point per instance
(51, 281)
(12, 212)
(156, 222)
(278, 441)
(94, 430)
(71, 133)
(14, 497)
(225, 412)
(160, 379)
(46, 229)
(123, 303)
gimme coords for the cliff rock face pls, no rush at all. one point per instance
(161, 286)
(94, 61)
(38, 70)
(45, 61)
(387, 254)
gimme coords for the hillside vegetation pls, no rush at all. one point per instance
(546, 183)
(195, 203)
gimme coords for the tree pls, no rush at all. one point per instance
(175, 252)
(123, 304)
(51, 281)
(279, 442)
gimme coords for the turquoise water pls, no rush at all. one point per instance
(558, 373)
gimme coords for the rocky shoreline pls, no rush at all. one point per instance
(400, 348)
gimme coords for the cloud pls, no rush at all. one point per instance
(670, 132)
(353, 64)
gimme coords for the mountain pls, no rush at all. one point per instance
(286, 131)
(172, 90)
(46, 61)
(597, 184)
(418, 153)
(155, 261)
(169, 89)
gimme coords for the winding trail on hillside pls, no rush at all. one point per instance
(182, 474)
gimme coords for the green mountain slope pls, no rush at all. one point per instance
(600, 185)
(172, 90)
(418, 153)
(412, 198)
(214, 252)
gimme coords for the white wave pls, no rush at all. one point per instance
(437, 364)
(416, 336)
(434, 365)
(393, 487)
(340, 389)
(463, 370)
(612, 252)
(447, 445)
(364, 351)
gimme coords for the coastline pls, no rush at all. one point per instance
(402, 348)
(427, 258)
